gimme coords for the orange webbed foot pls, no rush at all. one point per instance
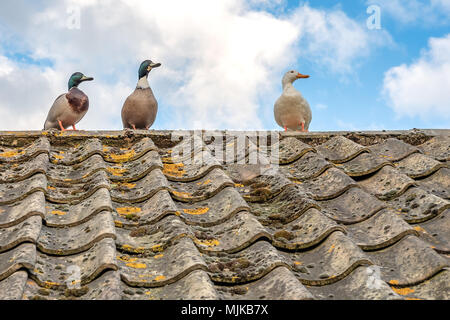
(61, 126)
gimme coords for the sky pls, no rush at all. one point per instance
(373, 65)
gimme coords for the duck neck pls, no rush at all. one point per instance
(287, 85)
(143, 83)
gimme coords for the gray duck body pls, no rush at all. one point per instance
(140, 109)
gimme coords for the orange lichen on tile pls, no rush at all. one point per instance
(208, 243)
(394, 282)
(118, 224)
(128, 210)
(159, 256)
(331, 249)
(58, 213)
(121, 157)
(174, 169)
(181, 194)
(419, 229)
(118, 172)
(136, 265)
(238, 185)
(298, 263)
(59, 157)
(198, 211)
(2, 210)
(49, 284)
(51, 188)
(204, 183)
(403, 291)
(160, 278)
(10, 154)
(128, 185)
(126, 259)
(157, 248)
(129, 248)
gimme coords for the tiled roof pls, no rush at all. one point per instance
(116, 215)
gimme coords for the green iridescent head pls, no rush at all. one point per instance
(78, 78)
(146, 67)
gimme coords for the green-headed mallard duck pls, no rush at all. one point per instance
(291, 110)
(140, 109)
(69, 108)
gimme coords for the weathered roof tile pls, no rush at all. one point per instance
(362, 284)
(16, 212)
(418, 165)
(56, 271)
(340, 149)
(279, 284)
(12, 287)
(354, 206)
(408, 262)
(387, 183)
(76, 239)
(417, 205)
(26, 231)
(379, 231)
(167, 267)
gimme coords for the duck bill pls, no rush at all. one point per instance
(302, 76)
(86, 79)
(155, 65)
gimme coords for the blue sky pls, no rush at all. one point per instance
(223, 64)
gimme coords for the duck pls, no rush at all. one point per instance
(140, 108)
(291, 110)
(69, 108)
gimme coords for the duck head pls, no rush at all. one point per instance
(78, 78)
(292, 76)
(146, 67)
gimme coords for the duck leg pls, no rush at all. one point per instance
(303, 127)
(61, 126)
(134, 127)
(73, 126)
(285, 128)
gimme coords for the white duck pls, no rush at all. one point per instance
(291, 110)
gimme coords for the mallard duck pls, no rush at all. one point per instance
(69, 108)
(291, 110)
(140, 108)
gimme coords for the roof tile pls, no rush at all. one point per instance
(340, 149)
(16, 212)
(57, 271)
(169, 266)
(76, 239)
(379, 231)
(26, 231)
(353, 206)
(387, 183)
(393, 149)
(279, 284)
(408, 262)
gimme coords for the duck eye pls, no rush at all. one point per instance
(292, 71)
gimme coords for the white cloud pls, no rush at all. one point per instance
(219, 59)
(423, 87)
